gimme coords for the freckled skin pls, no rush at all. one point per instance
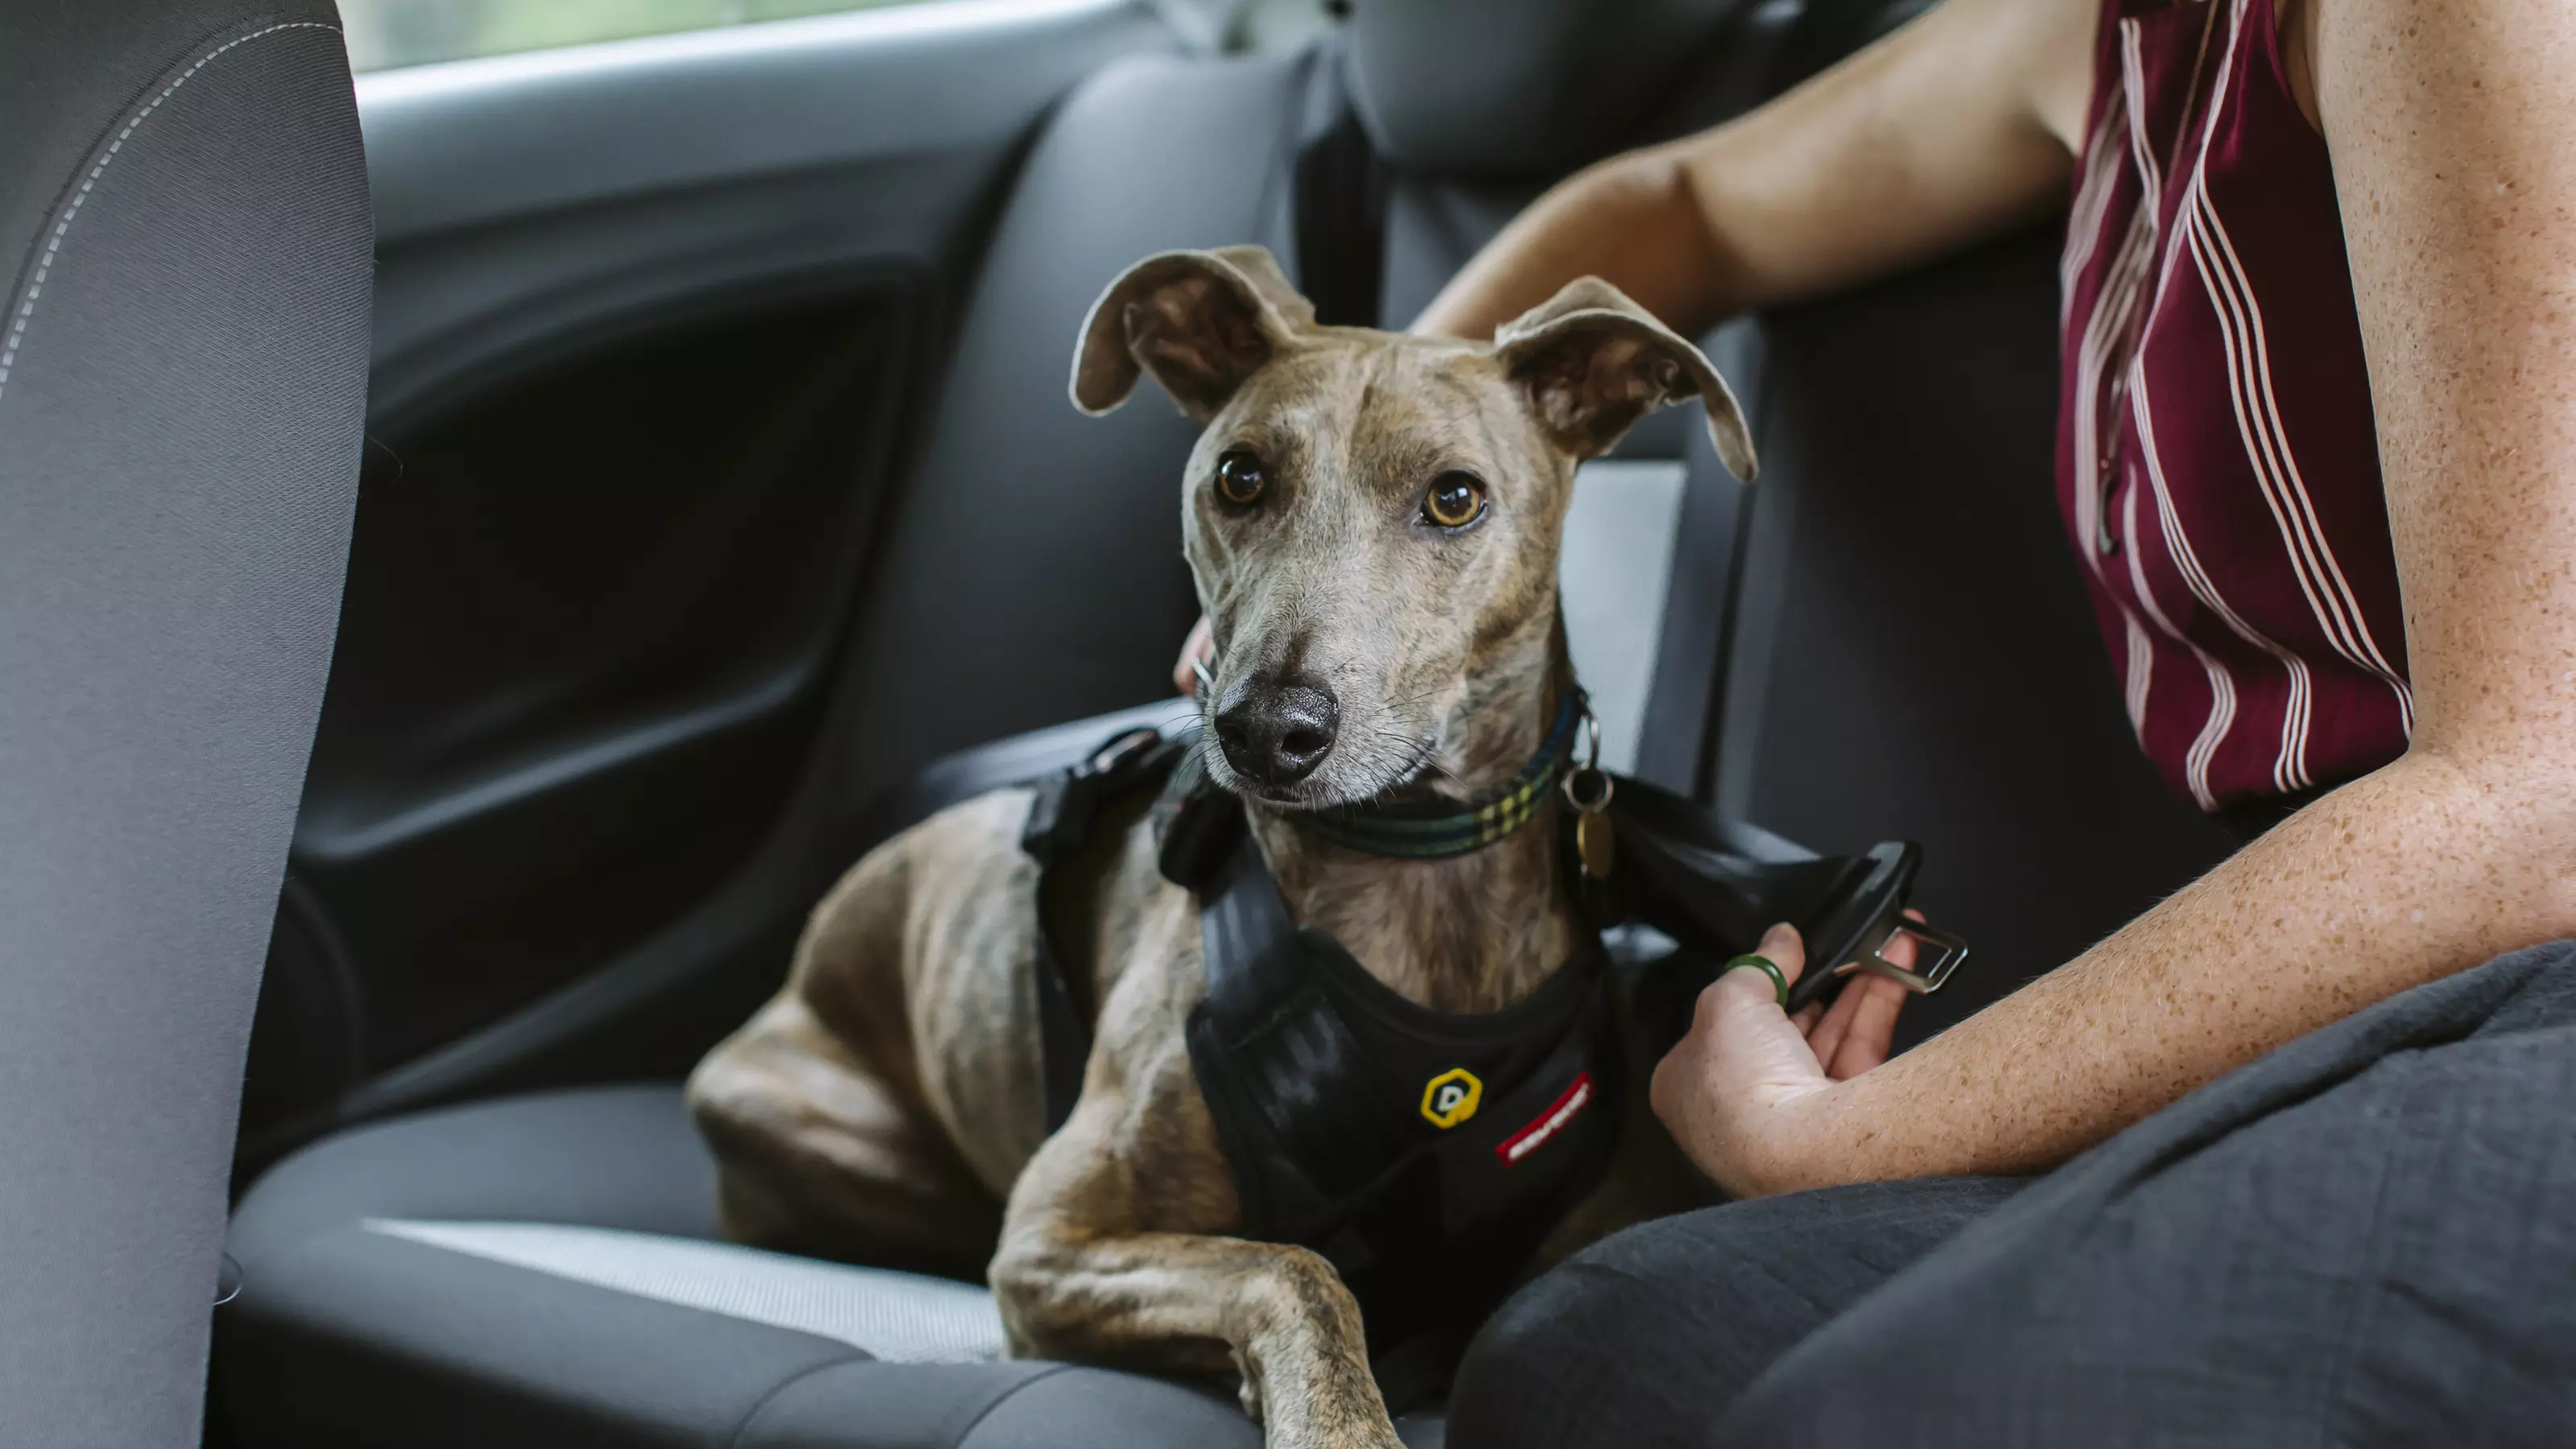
(887, 1105)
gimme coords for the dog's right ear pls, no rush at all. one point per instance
(1201, 322)
(1592, 363)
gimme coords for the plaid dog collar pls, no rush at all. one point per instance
(1433, 829)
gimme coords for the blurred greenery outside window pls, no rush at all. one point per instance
(388, 33)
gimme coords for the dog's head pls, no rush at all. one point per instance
(1373, 518)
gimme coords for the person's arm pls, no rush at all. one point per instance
(2455, 161)
(1953, 129)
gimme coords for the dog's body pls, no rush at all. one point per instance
(889, 1100)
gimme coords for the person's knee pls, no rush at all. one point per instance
(1548, 1359)
(1640, 1339)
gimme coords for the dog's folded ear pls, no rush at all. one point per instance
(1593, 362)
(1201, 322)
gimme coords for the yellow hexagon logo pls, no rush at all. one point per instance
(1451, 1097)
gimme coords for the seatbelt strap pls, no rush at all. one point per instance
(1340, 197)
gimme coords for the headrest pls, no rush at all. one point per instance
(1518, 87)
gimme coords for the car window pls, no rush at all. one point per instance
(387, 33)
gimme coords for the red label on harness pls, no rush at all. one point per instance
(1550, 1122)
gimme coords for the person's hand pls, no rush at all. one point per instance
(1743, 1090)
(1196, 650)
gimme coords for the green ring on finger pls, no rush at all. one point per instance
(1765, 965)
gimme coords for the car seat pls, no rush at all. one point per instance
(183, 369)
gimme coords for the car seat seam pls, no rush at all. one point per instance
(743, 1425)
(1013, 1392)
(62, 228)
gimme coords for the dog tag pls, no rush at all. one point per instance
(1588, 791)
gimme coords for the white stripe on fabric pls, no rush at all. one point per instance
(2288, 763)
(2092, 206)
(2142, 650)
(2265, 439)
(2113, 304)
(2222, 686)
(2128, 281)
(898, 1317)
(2111, 308)
(2141, 671)
(2133, 78)
(2288, 760)
(2267, 443)
(2291, 772)
(2187, 563)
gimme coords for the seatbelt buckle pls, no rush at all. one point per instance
(1922, 978)
(1862, 917)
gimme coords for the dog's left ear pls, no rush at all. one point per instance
(1201, 322)
(1593, 362)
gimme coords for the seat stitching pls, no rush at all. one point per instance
(734, 1441)
(743, 1424)
(54, 244)
(1005, 1397)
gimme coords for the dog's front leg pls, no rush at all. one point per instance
(1186, 1302)
(1111, 1253)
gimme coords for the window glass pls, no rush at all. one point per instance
(386, 33)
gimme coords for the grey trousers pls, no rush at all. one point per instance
(2366, 1238)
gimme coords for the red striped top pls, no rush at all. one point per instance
(2218, 463)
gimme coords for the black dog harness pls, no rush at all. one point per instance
(1426, 1154)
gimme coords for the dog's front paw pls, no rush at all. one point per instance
(1247, 1384)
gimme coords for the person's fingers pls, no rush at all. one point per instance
(1198, 649)
(1806, 1019)
(1829, 1034)
(1873, 1027)
(1869, 1029)
(1781, 947)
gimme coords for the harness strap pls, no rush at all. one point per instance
(1243, 926)
(1060, 820)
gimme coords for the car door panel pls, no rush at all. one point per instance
(654, 321)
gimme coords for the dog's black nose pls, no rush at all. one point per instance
(1276, 734)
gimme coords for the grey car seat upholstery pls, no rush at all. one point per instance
(183, 213)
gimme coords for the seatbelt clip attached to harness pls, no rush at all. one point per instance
(1588, 789)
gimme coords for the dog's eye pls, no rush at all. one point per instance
(1240, 478)
(1455, 500)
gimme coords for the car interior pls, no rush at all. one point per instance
(688, 414)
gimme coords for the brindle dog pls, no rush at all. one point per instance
(1373, 523)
